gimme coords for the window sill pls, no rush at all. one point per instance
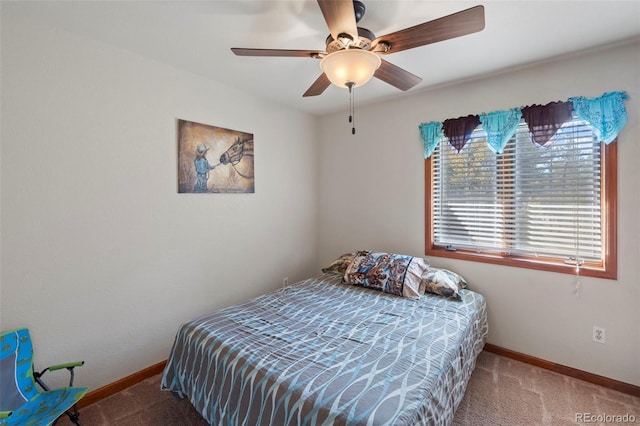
(541, 264)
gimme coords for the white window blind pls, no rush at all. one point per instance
(528, 201)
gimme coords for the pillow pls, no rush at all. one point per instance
(444, 283)
(456, 278)
(339, 266)
(391, 273)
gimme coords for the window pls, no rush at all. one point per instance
(551, 207)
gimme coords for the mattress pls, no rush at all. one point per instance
(322, 352)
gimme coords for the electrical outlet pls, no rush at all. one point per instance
(598, 334)
(285, 281)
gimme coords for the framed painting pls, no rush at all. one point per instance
(214, 159)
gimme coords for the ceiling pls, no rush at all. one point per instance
(196, 36)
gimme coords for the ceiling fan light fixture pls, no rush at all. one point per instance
(355, 66)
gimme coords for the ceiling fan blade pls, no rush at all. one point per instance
(340, 17)
(451, 26)
(277, 52)
(396, 76)
(318, 86)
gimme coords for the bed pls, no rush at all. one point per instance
(322, 352)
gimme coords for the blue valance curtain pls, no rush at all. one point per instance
(430, 134)
(500, 126)
(606, 114)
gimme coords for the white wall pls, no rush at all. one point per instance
(371, 196)
(101, 257)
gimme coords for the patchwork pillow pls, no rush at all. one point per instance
(391, 273)
(339, 266)
(444, 283)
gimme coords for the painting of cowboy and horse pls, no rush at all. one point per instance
(213, 159)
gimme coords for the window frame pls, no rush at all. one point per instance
(609, 214)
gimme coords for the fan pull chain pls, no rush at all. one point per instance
(352, 110)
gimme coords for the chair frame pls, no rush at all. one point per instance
(20, 347)
(72, 412)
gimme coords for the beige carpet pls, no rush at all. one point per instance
(501, 392)
(507, 392)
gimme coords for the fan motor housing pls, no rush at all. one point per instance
(365, 37)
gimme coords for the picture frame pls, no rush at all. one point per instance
(214, 159)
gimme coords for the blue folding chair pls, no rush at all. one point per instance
(21, 402)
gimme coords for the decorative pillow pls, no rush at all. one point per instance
(456, 278)
(392, 273)
(444, 282)
(339, 266)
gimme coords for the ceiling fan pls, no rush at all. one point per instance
(349, 47)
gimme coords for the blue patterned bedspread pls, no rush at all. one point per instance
(326, 353)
